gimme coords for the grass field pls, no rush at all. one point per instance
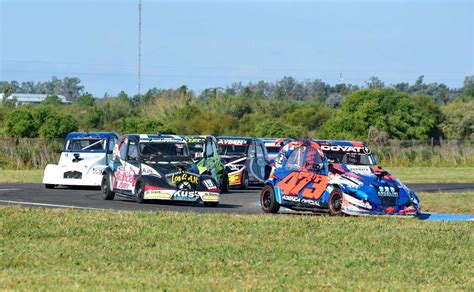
(462, 203)
(434, 174)
(406, 174)
(63, 250)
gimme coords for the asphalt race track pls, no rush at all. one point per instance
(237, 201)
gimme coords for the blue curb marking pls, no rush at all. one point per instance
(445, 217)
(432, 216)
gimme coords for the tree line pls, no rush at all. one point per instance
(286, 108)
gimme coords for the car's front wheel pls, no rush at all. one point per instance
(225, 183)
(268, 200)
(105, 186)
(335, 203)
(140, 192)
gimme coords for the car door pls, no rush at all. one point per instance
(132, 165)
(209, 156)
(302, 176)
(252, 165)
(261, 161)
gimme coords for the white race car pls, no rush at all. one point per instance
(82, 161)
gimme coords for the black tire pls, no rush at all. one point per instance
(211, 204)
(335, 203)
(244, 184)
(49, 186)
(140, 192)
(107, 192)
(225, 183)
(268, 200)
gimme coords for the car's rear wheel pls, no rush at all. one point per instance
(140, 192)
(105, 186)
(211, 204)
(49, 186)
(244, 184)
(268, 200)
(225, 183)
(335, 203)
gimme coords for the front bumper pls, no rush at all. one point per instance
(55, 175)
(156, 193)
(352, 206)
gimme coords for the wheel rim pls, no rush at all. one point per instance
(336, 202)
(266, 199)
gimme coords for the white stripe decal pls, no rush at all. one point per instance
(235, 161)
(50, 205)
(9, 190)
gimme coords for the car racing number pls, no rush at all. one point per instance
(293, 183)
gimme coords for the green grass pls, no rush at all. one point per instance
(68, 249)
(21, 176)
(406, 174)
(433, 174)
(453, 202)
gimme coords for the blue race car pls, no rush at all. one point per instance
(338, 176)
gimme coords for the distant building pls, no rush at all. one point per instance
(24, 98)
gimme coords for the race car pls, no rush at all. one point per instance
(82, 161)
(206, 155)
(156, 167)
(338, 176)
(246, 160)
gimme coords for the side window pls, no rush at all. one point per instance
(260, 151)
(294, 161)
(112, 142)
(251, 151)
(123, 149)
(209, 148)
(132, 151)
(214, 146)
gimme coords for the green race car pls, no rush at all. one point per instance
(205, 153)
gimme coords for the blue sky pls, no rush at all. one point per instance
(213, 44)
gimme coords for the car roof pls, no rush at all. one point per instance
(248, 139)
(96, 135)
(339, 142)
(157, 137)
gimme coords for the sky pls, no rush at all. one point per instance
(204, 44)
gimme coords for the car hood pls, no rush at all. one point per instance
(166, 168)
(371, 183)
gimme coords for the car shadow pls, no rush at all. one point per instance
(179, 203)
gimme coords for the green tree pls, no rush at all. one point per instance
(86, 100)
(458, 120)
(57, 126)
(52, 100)
(469, 86)
(20, 124)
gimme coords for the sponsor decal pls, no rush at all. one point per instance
(209, 184)
(209, 197)
(237, 142)
(385, 191)
(195, 139)
(300, 200)
(361, 169)
(186, 195)
(295, 182)
(192, 178)
(342, 148)
(157, 195)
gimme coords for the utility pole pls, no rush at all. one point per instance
(139, 47)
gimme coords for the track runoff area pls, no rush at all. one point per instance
(234, 202)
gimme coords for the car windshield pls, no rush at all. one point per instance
(349, 158)
(233, 150)
(86, 144)
(163, 149)
(195, 148)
